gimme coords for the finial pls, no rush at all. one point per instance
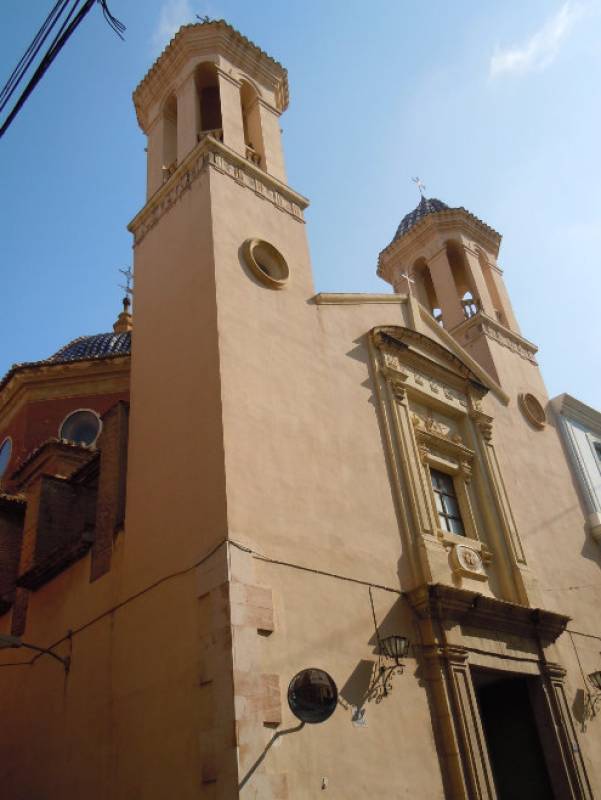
(124, 321)
(420, 185)
(204, 19)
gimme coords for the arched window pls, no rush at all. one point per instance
(169, 136)
(251, 120)
(209, 101)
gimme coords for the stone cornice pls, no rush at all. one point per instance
(574, 409)
(208, 41)
(354, 299)
(436, 227)
(484, 325)
(211, 153)
(449, 603)
(44, 380)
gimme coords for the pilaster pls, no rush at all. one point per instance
(187, 117)
(231, 112)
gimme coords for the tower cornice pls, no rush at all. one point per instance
(432, 231)
(211, 153)
(208, 42)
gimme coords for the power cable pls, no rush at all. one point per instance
(74, 17)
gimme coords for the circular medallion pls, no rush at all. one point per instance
(266, 263)
(312, 695)
(532, 410)
(469, 559)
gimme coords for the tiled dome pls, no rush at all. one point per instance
(426, 206)
(100, 345)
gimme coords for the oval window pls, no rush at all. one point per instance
(82, 427)
(6, 450)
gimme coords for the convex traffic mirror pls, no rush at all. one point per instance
(312, 695)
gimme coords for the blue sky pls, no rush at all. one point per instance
(494, 105)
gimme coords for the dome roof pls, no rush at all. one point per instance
(100, 345)
(425, 206)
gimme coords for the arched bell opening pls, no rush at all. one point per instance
(462, 279)
(169, 136)
(251, 121)
(424, 289)
(209, 101)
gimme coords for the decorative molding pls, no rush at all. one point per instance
(360, 298)
(570, 407)
(210, 153)
(483, 325)
(533, 410)
(452, 604)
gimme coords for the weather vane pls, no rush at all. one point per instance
(206, 18)
(129, 292)
(420, 185)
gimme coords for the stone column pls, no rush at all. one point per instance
(187, 117)
(231, 112)
(446, 291)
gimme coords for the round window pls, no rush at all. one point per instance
(533, 410)
(312, 695)
(266, 263)
(6, 450)
(82, 427)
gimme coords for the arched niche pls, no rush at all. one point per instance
(209, 100)
(169, 135)
(251, 121)
(462, 279)
(424, 288)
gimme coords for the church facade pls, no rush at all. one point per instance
(263, 480)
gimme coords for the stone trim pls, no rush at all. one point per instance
(482, 325)
(211, 153)
(355, 299)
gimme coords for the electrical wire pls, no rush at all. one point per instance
(74, 16)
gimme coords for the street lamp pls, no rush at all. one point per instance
(7, 641)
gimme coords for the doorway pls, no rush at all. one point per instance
(516, 734)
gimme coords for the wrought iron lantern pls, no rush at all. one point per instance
(594, 698)
(595, 679)
(395, 647)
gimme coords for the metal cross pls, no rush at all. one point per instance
(129, 276)
(420, 185)
(409, 279)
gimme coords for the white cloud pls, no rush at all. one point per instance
(540, 49)
(174, 14)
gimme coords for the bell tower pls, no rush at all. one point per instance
(211, 81)
(447, 258)
(221, 270)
